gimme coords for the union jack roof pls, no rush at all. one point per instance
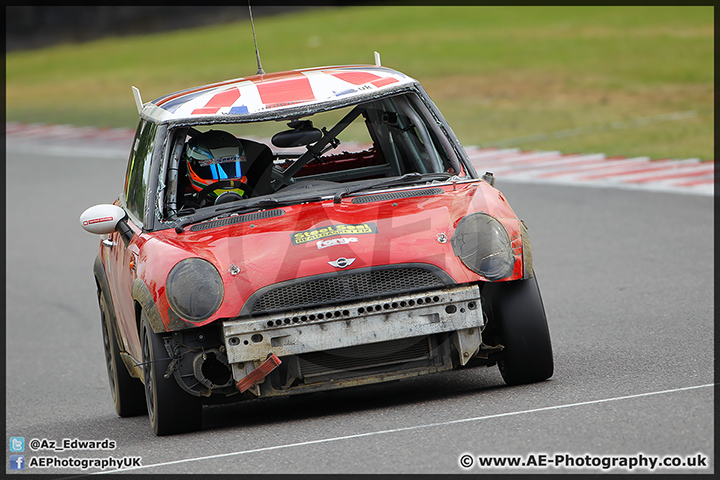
(274, 93)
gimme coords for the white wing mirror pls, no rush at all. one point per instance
(101, 219)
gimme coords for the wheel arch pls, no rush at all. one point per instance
(144, 302)
(528, 271)
(103, 287)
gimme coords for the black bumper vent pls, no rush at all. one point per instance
(343, 362)
(343, 287)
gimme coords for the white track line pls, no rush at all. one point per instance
(406, 429)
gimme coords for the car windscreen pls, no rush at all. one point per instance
(379, 139)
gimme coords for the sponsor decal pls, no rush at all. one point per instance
(342, 262)
(344, 92)
(227, 159)
(335, 241)
(332, 230)
(284, 104)
(97, 220)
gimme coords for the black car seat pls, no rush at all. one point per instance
(258, 167)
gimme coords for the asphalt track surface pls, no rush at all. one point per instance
(627, 281)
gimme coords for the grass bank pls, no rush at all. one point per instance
(586, 79)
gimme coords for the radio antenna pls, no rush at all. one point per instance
(257, 52)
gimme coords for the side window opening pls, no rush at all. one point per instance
(176, 183)
(441, 144)
(416, 140)
(139, 169)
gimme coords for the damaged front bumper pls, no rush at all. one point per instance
(355, 343)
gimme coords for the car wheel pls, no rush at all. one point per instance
(517, 310)
(170, 409)
(127, 392)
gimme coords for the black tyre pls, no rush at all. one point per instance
(170, 409)
(518, 314)
(127, 392)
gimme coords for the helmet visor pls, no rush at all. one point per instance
(209, 164)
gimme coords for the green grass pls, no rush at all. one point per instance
(499, 74)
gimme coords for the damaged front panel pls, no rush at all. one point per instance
(360, 342)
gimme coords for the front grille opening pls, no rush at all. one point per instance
(370, 359)
(346, 287)
(360, 365)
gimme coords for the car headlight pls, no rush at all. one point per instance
(483, 245)
(194, 289)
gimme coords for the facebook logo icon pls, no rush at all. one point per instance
(17, 462)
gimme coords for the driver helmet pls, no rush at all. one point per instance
(213, 156)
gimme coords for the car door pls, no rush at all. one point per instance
(125, 244)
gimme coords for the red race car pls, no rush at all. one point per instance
(304, 231)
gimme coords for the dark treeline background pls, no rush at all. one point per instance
(28, 27)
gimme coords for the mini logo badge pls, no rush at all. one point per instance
(342, 262)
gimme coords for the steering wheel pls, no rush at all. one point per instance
(225, 185)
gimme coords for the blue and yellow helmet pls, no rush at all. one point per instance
(213, 156)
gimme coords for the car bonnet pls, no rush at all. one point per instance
(320, 238)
